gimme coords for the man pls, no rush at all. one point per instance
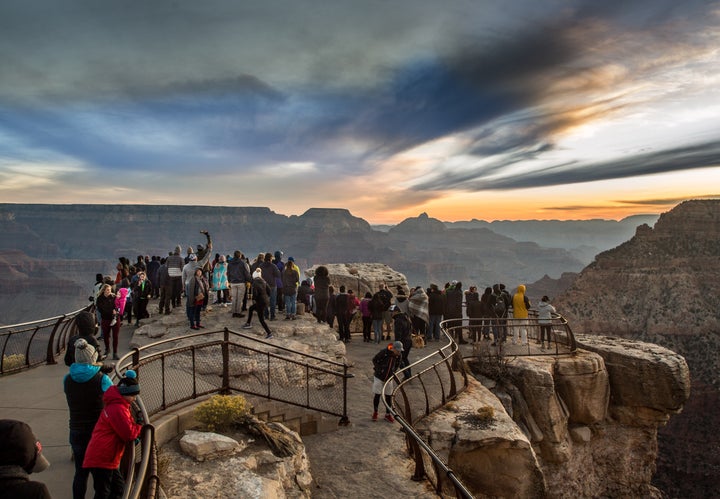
(279, 283)
(20, 455)
(86, 327)
(435, 310)
(453, 310)
(385, 363)
(341, 312)
(165, 285)
(270, 275)
(239, 277)
(175, 264)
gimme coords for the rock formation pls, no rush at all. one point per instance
(580, 425)
(662, 287)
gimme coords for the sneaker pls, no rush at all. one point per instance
(238, 315)
(389, 418)
(375, 416)
(194, 327)
(247, 326)
(268, 336)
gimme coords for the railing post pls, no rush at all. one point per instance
(226, 361)
(344, 420)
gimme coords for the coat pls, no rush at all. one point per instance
(219, 277)
(113, 430)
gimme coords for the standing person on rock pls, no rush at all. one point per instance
(220, 281)
(342, 305)
(521, 305)
(435, 312)
(142, 292)
(545, 311)
(270, 275)
(196, 290)
(366, 316)
(419, 308)
(166, 288)
(290, 282)
(175, 264)
(385, 363)
(386, 297)
(277, 261)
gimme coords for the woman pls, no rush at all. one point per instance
(261, 299)
(377, 307)
(196, 289)
(322, 293)
(220, 281)
(110, 316)
(473, 309)
(330, 310)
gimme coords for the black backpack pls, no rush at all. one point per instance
(499, 306)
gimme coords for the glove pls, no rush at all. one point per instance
(105, 369)
(247, 285)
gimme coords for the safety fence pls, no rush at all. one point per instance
(223, 362)
(33, 343)
(429, 383)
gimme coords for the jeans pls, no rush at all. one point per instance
(193, 314)
(109, 484)
(290, 305)
(273, 302)
(433, 329)
(79, 440)
(377, 328)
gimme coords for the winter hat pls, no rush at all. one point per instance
(192, 257)
(397, 346)
(278, 255)
(221, 259)
(85, 322)
(257, 273)
(291, 259)
(85, 353)
(129, 385)
(20, 447)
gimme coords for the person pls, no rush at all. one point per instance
(342, 306)
(486, 300)
(111, 308)
(353, 308)
(193, 264)
(402, 327)
(322, 293)
(435, 313)
(377, 308)
(401, 300)
(452, 311)
(366, 316)
(175, 264)
(270, 275)
(196, 290)
(84, 386)
(386, 296)
(142, 292)
(166, 288)
(239, 277)
(220, 281)
(385, 363)
(153, 266)
(20, 456)
(418, 308)
(277, 261)
(330, 309)
(545, 311)
(86, 327)
(521, 305)
(261, 298)
(473, 308)
(97, 287)
(290, 281)
(115, 427)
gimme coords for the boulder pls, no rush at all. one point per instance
(206, 445)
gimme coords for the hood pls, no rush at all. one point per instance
(543, 304)
(82, 373)
(112, 396)
(521, 289)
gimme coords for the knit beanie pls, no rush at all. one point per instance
(85, 353)
(129, 385)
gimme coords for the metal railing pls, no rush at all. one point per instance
(429, 383)
(33, 343)
(226, 362)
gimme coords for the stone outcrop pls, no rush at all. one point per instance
(662, 287)
(362, 277)
(582, 425)
(218, 466)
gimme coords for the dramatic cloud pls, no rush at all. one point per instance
(408, 102)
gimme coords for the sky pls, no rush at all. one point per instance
(495, 110)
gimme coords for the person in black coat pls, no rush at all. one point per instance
(385, 363)
(86, 327)
(20, 456)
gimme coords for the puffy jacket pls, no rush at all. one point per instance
(520, 303)
(113, 430)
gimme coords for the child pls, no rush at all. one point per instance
(545, 320)
(113, 430)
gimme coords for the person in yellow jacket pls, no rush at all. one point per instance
(521, 305)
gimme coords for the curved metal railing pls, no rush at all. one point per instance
(227, 362)
(38, 342)
(429, 383)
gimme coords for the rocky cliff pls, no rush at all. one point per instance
(662, 287)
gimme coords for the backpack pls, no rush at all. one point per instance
(499, 306)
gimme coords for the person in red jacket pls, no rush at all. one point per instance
(113, 430)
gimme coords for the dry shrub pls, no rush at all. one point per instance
(221, 412)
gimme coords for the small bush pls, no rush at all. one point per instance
(14, 361)
(223, 411)
(486, 413)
